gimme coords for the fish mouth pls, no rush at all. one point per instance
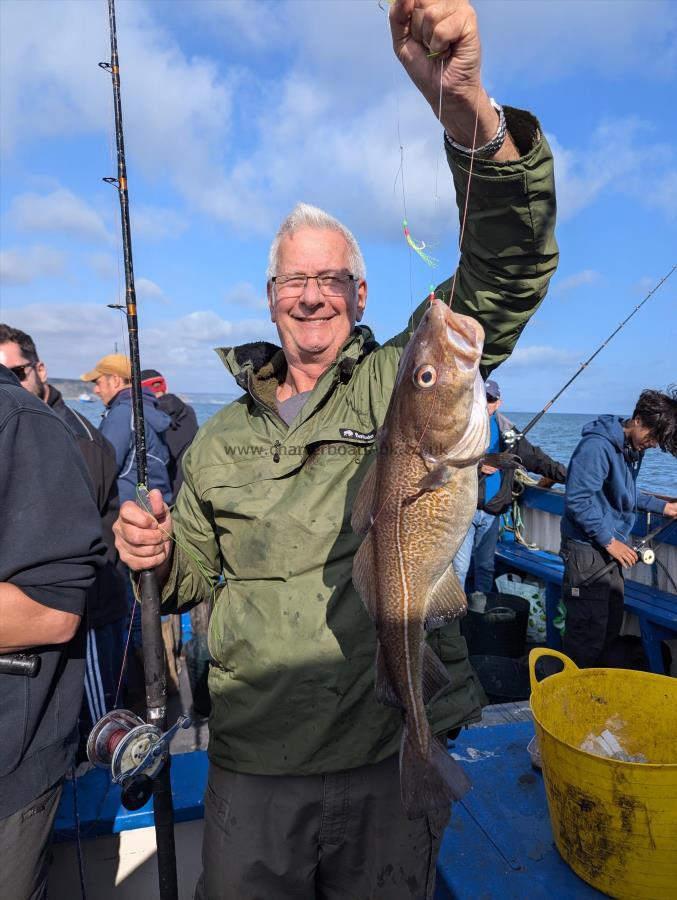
(465, 335)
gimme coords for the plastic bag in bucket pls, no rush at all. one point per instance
(614, 822)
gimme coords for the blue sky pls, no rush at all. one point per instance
(235, 110)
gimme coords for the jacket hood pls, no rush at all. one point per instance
(158, 420)
(266, 360)
(609, 427)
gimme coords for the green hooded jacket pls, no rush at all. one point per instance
(268, 507)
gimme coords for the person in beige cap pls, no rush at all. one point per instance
(110, 375)
(112, 382)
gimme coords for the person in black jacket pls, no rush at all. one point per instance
(179, 436)
(107, 597)
(50, 549)
(495, 495)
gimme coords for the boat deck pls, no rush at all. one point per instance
(498, 844)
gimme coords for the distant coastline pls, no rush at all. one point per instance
(72, 388)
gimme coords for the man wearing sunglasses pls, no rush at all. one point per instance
(303, 798)
(107, 597)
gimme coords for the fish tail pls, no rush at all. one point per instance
(428, 782)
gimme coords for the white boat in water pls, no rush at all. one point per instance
(84, 397)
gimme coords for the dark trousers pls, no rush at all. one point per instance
(25, 837)
(343, 836)
(594, 611)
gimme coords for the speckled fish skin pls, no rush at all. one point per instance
(416, 505)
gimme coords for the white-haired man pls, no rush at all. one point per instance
(303, 798)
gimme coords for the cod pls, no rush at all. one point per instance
(415, 507)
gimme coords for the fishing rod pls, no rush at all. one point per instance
(645, 553)
(137, 752)
(511, 437)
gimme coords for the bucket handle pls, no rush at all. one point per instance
(538, 653)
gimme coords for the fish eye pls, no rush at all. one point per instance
(425, 376)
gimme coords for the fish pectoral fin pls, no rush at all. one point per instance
(447, 601)
(363, 507)
(429, 783)
(435, 675)
(438, 478)
(364, 576)
(385, 692)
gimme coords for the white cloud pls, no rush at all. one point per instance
(22, 266)
(245, 294)
(148, 290)
(72, 336)
(584, 173)
(575, 281)
(58, 212)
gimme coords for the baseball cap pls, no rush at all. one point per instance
(492, 389)
(113, 364)
(154, 380)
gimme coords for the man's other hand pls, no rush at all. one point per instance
(670, 509)
(144, 540)
(625, 555)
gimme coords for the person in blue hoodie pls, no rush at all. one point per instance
(112, 382)
(599, 512)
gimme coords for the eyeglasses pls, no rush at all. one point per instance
(20, 371)
(330, 284)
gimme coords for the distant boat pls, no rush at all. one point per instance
(86, 398)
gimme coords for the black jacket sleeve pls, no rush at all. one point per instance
(50, 530)
(536, 460)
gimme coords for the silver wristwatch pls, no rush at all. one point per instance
(494, 144)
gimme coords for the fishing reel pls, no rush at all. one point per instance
(646, 555)
(510, 438)
(133, 751)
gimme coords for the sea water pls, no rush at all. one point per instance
(556, 433)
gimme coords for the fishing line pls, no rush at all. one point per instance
(144, 502)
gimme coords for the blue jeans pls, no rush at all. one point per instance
(479, 545)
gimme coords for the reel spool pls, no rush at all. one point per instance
(646, 555)
(132, 750)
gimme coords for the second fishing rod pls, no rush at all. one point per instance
(511, 437)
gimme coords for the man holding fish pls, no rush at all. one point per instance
(290, 493)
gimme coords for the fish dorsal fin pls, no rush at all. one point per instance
(363, 507)
(364, 577)
(447, 601)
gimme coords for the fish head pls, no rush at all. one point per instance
(439, 392)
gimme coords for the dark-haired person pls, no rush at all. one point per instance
(50, 549)
(107, 597)
(182, 430)
(599, 512)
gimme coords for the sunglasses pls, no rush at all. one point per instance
(21, 371)
(492, 399)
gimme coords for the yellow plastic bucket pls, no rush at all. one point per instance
(614, 822)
